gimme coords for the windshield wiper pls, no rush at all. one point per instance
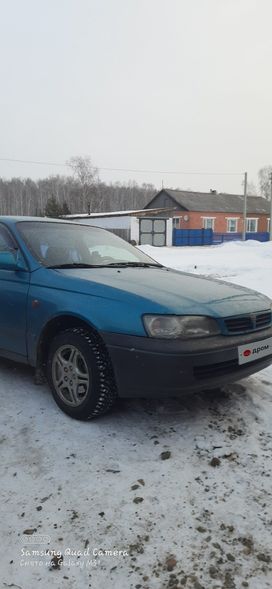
(72, 265)
(110, 265)
(132, 265)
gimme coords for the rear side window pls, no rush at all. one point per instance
(6, 240)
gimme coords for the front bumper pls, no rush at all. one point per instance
(147, 367)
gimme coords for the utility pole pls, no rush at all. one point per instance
(270, 224)
(245, 208)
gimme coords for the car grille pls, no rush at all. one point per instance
(263, 319)
(247, 323)
(222, 368)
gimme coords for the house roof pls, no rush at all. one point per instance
(130, 213)
(216, 202)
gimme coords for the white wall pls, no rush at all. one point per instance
(107, 222)
(169, 232)
(134, 229)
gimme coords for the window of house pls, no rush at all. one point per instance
(208, 222)
(268, 225)
(232, 225)
(252, 225)
(176, 222)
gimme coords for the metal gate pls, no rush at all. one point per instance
(152, 232)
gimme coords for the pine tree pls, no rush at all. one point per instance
(53, 209)
(65, 209)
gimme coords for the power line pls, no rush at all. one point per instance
(132, 170)
(173, 172)
(8, 159)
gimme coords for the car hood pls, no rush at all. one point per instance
(162, 289)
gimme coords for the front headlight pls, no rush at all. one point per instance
(184, 326)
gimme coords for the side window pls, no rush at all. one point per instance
(6, 241)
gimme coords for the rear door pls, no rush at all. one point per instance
(14, 286)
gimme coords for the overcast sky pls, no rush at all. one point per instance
(170, 85)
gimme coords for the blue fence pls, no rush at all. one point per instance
(192, 236)
(183, 237)
(223, 237)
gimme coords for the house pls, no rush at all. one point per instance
(218, 211)
(183, 209)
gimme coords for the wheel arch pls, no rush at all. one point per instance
(57, 325)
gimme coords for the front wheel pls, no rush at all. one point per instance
(80, 374)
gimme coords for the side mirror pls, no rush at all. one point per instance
(11, 260)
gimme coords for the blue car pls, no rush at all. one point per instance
(100, 319)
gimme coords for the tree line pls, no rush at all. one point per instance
(56, 195)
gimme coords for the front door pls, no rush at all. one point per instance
(14, 286)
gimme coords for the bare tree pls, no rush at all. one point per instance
(264, 181)
(251, 188)
(87, 175)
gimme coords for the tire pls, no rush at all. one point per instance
(80, 374)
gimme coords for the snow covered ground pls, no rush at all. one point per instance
(182, 487)
(248, 263)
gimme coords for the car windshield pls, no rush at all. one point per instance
(75, 245)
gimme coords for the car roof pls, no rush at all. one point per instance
(17, 218)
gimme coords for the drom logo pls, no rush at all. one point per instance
(247, 353)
